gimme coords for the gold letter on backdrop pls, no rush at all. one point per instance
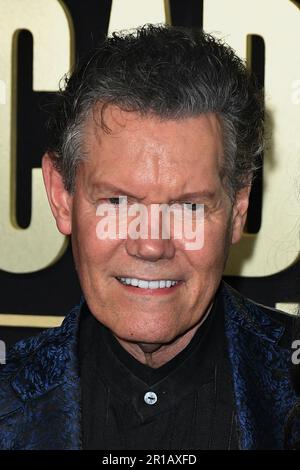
(34, 248)
(132, 13)
(276, 246)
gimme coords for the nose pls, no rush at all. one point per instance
(150, 250)
(155, 243)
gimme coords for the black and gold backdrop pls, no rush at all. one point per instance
(53, 290)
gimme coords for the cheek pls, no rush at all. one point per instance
(94, 252)
(88, 249)
(216, 244)
(213, 253)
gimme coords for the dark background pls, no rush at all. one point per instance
(54, 290)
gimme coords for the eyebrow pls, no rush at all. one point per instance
(206, 194)
(114, 189)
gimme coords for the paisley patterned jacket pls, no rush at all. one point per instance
(40, 385)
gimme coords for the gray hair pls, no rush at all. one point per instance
(168, 72)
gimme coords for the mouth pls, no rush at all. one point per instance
(151, 286)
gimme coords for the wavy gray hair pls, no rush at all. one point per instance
(169, 72)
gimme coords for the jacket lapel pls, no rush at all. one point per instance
(260, 369)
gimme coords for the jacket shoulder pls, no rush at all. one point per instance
(261, 315)
(50, 339)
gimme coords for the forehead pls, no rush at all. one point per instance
(147, 150)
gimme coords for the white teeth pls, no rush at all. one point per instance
(143, 284)
(155, 284)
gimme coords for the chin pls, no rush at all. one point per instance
(148, 337)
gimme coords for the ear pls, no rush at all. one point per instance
(240, 209)
(59, 198)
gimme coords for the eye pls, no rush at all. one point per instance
(192, 206)
(116, 201)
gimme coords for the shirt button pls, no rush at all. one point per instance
(150, 398)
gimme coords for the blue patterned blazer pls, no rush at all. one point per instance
(40, 385)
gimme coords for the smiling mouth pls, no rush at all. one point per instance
(153, 284)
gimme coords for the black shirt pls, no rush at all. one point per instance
(185, 404)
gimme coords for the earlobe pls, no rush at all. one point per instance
(59, 198)
(240, 209)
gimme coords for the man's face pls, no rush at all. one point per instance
(151, 161)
